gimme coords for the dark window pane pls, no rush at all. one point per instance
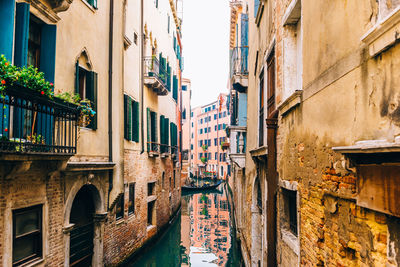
(24, 247)
(26, 222)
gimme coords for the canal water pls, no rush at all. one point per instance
(203, 235)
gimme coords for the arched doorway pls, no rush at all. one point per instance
(256, 223)
(82, 234)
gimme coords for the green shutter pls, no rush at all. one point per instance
(77, 77)
(91, 94)
(7, 12)
(148, 128)
(129, 126)
(175, 88)
(125, 116)
(162, 137)
(135, 121)
(155, 128)
(166, 131)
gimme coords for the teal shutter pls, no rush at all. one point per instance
(77, 77)
(21, 34)
(7, 10)
(155, 140)
(129, 120)
(91, 94)
(162, 148)
(135, 121)
(48, 51)
(125, 116)
(148, 128)
(175, 88)
(166, 131)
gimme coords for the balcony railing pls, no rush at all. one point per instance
(153, 149)
(165, 150)
(34, 124)
(239, 68)
(174, 152)
(156, 76)
(238, 140)
(239, 61)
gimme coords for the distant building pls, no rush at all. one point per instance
(209, 141)
(186, 126)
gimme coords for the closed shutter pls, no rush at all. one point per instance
(162, 133)
(175, 88)
(125, 116)
(166, 131)
(135, 121)
(7, 11)
(256, 5)
(168, 77)
(148, 128)
(91, 94)
(21, 34)
(129, 120)
(155, 137)
(48, 51)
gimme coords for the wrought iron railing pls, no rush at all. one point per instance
(152, 68)
(239, 61)
(153, 147)
(165, 149)
(34, 124)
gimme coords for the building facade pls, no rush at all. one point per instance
(208, 139)
(87, 189)
(186, 124)
(322, 135)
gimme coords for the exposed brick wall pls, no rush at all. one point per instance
(123, 237)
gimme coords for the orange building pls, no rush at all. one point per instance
(209, 140)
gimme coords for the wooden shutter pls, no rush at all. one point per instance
(7, 11)
(125, 116)
(162, 130)
(48, 51)
(148, 128)
(91, 94)
(155, 128)
(129, 120)
(135, 121)
(21, 34)
(175, 88)
(166, 131)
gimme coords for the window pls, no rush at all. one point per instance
(151, 189)
(205, 130)
(174, 178)
(27, 234)
(209, 142)
(86, 87)
(215, 116)
(151, 213)
(192, 135)
(261, 111)
(34, 43)
(219, 127)
(215, 128)
(119, 208)
(169, 22)
(224, 126)
(131, 207)
(290, 210)
(131, 119)
(192, 124)
(200, 155)
(224, 114)
(209, 129)
(191, 146)
(215, 141)
(184, 87)
(201, 131)
(219, 115)
(224, 158)
(201, 121)
(164, 134)
(191, 114)
(213, 107)
(135, 38)
(152, 135)
(216, 155)
(201, 143)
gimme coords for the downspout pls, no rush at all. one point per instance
(110, 90)
(272, 182)
(141, 75)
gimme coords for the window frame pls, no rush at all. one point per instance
(121, 202)
(131, 203)
(39, 232)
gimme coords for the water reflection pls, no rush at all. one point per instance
(202, 236)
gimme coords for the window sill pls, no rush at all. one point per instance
(290, 103)
(151, 198)
(34, 262)
(120, 221)
(89, 6)
(291, 240)
(384, 34)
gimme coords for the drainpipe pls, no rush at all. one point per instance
(141, 75)
(272, 182)
(110, 90)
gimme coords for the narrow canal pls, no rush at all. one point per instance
(201, 236)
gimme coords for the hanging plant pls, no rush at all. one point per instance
(204, 159)
(204, 147)
(29, 77)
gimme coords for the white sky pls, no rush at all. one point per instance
(205, 33)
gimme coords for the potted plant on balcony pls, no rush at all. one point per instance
(204, 160)
(204, 147)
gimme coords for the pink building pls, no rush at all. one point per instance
(209, 140)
